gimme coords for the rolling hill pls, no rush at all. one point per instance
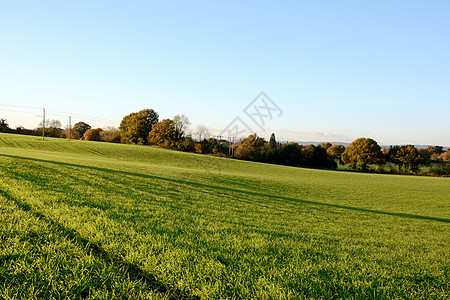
(97, 220)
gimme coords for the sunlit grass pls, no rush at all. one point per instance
(218, 228)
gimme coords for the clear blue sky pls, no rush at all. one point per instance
(338, 70)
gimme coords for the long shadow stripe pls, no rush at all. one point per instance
(134, 272)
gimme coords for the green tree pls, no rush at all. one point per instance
(362, 152)
(435, 150)
(79, 129)
(410, 157)
(52, 128)
(425, 157)
(291, 155)
(393, 157)
(4, 127)
(272, 142)
(317, 157)
(325, 145)
(136, 127)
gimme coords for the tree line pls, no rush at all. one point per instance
(145, 128)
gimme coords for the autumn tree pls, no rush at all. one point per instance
(186, 144)
(79, 129)
(362, 152)
(135, 127)
(445, 156)
(251, 148)
(162, 134)
(93, 134)
(335, 151)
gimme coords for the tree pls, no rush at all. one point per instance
(186, 144)
(202, 132)
(336, 151)
(317, 157)
(136, 127)
(52, 128)
(207, 146)
(4, 127)
(410, 157)
(445, 156)
(162, 134)
(20, 129)
(79, 129)
(291, 155)
(110, 134)
(425, 157)
(393, 157)
(325, 145)
(180, 127)
(362, 152)
(251, 148)
(435, 150)
(272, 142)
(93, 134)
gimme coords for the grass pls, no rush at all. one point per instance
(38, 260)
(160, 223)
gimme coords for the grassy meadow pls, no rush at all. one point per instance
(95, 220)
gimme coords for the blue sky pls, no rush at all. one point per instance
(338, 70)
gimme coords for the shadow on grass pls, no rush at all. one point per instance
(134, 272)
(245, 192)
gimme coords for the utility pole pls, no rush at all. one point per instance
(70, 125)
(43, 125)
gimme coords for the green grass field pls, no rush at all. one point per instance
(95, 220)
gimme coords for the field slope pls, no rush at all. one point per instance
(124, 221)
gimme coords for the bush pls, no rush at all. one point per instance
(439, 170)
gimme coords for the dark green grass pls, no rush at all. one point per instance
(218, 228)
(38, 261)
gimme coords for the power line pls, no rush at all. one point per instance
(84, 116)
(59, 113)
(20, 106)
(21, 111)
